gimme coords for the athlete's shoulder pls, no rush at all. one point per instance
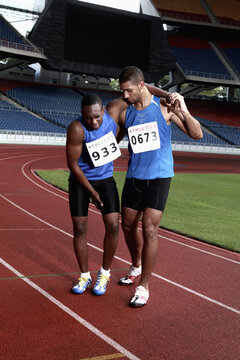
(75, 128)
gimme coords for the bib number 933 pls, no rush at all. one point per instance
(103, 150)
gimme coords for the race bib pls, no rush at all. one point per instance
(144, 137)
(103, 150)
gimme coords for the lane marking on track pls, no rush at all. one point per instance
(99, 213)
(50, 275)
(29, 229)
(105, 357)
(17, 156)
(127, 262)
(75, 316)
(200, 250)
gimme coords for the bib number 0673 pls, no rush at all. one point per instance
(140, 138)
(144, 137)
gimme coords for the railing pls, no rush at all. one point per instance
(185, 16)
(42, 138)
(207, 75)
(19, 46)
(32, 137)
(198, 18)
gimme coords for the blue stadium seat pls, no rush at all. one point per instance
(208, 139)
(200, 62)
(6, 33)
(60, 105)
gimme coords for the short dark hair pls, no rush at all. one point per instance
(91, 99)
(131, 73)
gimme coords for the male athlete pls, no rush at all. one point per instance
(147, 122)
(91, 148)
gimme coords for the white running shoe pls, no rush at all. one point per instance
(140, 298)
(130, 277)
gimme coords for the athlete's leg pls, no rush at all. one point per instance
(111, 222)
(130, 220)
(150, 224)
(80, 224)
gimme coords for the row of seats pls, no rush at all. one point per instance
(6, 33)
(187, 6)
(60, 105)
(23, 121)
(221, 112)
(40, 98)
(232, 51)
(197, 58)
(227, 12)
(207, 139)
(227, 133)
(68, 102)
(106, 96)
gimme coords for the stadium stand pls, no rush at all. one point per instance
(229, 134)
(6, 34)
(197, 58)
(106, 96)
(60, 105)
(185, 9)
(222, 112)
(227, 12)
(208, 139)
(232, 50)
(13, 118)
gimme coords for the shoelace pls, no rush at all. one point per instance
(102, 280)
(82, 281)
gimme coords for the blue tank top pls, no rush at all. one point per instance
(85, 163)
(151, 164)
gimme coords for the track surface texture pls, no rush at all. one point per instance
(193, 310)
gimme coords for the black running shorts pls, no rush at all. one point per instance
(79, 196)
(140, 194)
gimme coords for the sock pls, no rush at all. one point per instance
(136, 270)
(105, 272)
(86, 275)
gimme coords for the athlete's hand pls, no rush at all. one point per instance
(175, 102)
(96, 199)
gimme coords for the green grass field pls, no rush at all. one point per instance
(202, 206)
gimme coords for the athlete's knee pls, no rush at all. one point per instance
(112, 227)
(126, 226)
(79, 229)
(149, 232)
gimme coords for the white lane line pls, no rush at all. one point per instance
(75, 316)
(127, 262)
(17, 156)
(201, 250)
(98, 212)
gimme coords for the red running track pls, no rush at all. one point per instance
(193, 311)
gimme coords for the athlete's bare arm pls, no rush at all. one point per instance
(75, 136)
(156, 91)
